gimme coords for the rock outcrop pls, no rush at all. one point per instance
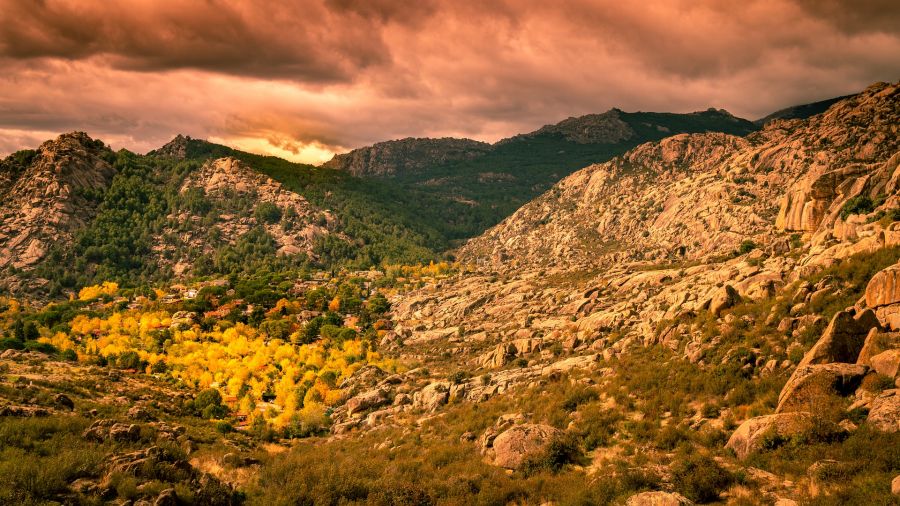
(884, 413)
(810, 386)
(695, 196)
(406, 155)
(512, 447)
(658, 498)
(843, 339)
(48, 198)
(754, 434)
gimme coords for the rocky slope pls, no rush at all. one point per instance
(50, 196)
(627, 254)
(690, 197)
(235, 194)
(405, 155)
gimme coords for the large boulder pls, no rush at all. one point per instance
(884, 413)
(368, 400)
(876, 343)
(514, 446)
(658, 498)
(724, 298)
(432, 396)
(887, 363)
(843, 338)
(884, 287)
(755, 433)
(811, 384)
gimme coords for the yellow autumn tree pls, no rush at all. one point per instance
(335, 304)
(92, 292)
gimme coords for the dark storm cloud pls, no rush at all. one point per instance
(307, 78)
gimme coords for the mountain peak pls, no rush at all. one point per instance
(406, 155)
(176, 148)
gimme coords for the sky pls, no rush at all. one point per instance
(309, 78)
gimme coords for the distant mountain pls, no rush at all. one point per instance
(406, 155)
(462, 187)
(801, 111)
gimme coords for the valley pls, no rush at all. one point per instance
(622, 308)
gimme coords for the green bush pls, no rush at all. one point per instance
(699, 478)
(9, 343)
(860, 204)
(208, 404)
(47, 348)
(267, 212)
(558, 453)
(129, 360)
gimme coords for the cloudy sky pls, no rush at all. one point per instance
(304, 79)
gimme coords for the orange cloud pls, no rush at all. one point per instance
(307, 78)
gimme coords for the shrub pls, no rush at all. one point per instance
(746, 246)
(267, 212)
(558, 452)
(8, 343)
(579, 397)
(699, 477)
(129, 360)
(47, 348)
(860, 204)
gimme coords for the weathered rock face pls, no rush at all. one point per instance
(861, 122)
(843, 338)
(227, 181)
(368, 400)
(515, 445)
(48, 200)
(432, 396)
(809, 384)
(658, 498)
(884, 288)
(884, 414)
(724, 298)
(887, 363)
(877, 342)
(753, 434)
(693, 196)
(176, 148)
(405, 155)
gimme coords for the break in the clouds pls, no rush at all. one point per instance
(304, 79)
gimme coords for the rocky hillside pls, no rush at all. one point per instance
(691, 197)
(190, 209)
(229, 199)
(49, 194)
(405, 156)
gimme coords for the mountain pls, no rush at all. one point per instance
(48, 195)
(191, 208)
(405, 155)
(801, 111)
(692, 196)
(462, 187)
(703, 318)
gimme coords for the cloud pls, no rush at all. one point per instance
(308, 78)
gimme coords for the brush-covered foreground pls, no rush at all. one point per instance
(108, 403)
